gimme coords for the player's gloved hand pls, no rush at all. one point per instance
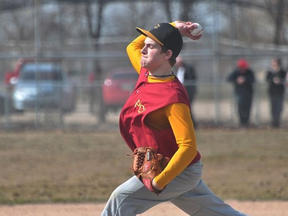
(147, 164)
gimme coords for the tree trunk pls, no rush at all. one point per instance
(95, 34)
(279, 22)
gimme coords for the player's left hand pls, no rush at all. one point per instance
(155, 186)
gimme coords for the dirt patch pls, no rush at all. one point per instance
(267, 208)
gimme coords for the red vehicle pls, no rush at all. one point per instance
(118, 86)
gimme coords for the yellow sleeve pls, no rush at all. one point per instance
(183, 129)
(134, 52)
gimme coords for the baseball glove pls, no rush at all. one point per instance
(147, 164)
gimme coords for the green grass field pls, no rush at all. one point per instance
(41, 167)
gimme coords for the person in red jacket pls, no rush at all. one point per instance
(157, 115)
(242, 78)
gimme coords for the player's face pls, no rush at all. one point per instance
(152, 57)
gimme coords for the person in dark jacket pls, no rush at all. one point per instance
(243, 78)
(275, 78)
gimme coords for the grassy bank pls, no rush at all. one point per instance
(86, 167)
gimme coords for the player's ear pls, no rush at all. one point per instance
(169, 53)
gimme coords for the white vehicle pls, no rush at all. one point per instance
(43, 86)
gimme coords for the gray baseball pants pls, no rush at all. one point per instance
(187, 191)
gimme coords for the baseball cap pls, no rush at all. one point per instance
(242, 63)
(166, 35)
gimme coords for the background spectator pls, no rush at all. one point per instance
(275, 77)
(243, 78)
(187, 76)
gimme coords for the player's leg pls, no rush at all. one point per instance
(117, 203)
(201, 201)
(132, 197)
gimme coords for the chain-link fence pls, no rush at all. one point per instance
(208, 111)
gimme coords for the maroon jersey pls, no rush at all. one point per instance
(146, 98)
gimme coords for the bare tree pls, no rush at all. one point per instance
(167, 7)
(94, 21)
(15, 29)
(186, 8)
(276, 9)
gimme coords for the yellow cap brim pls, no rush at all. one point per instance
(148, 34)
